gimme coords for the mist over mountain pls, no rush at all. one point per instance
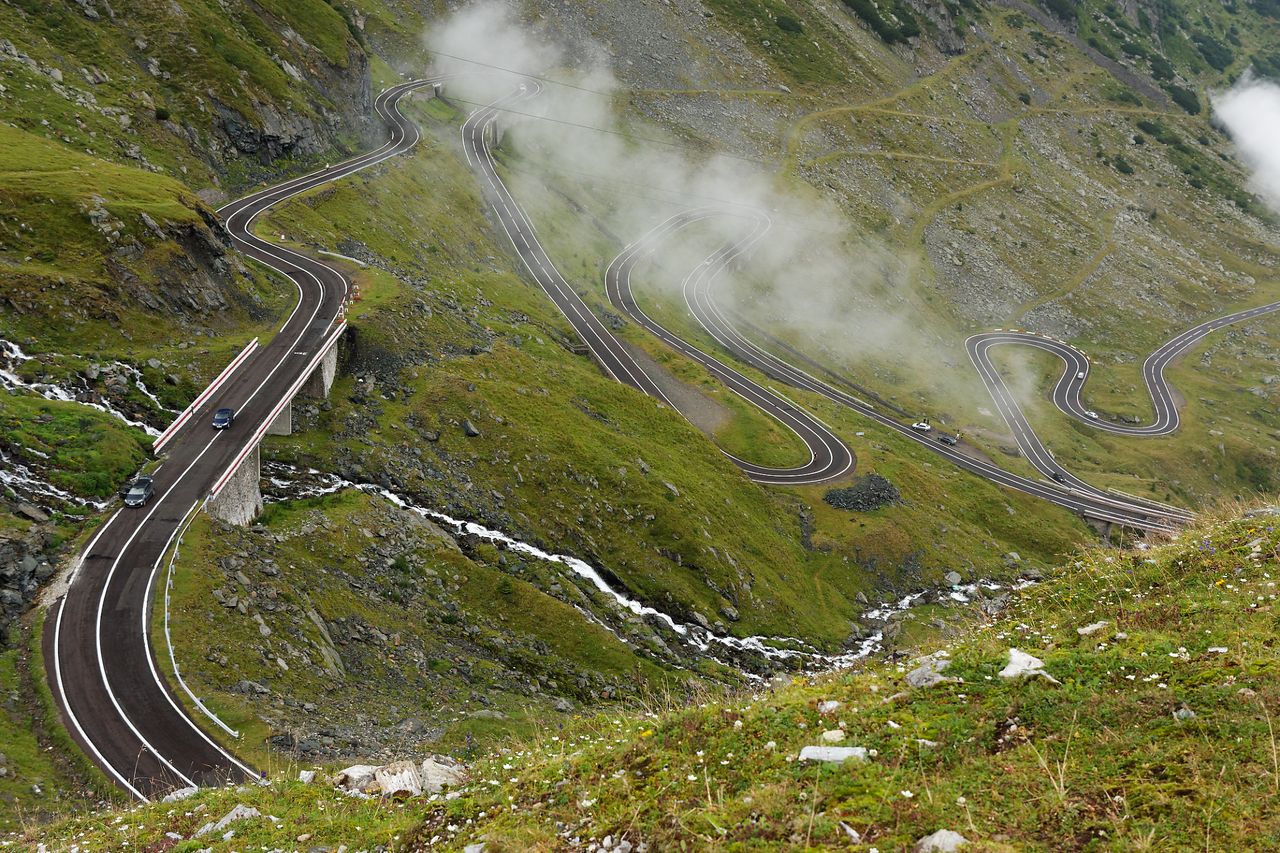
(698, 424)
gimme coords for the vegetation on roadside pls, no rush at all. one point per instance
(1158, 730)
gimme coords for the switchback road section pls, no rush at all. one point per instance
(97, 648)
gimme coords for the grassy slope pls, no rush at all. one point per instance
(1013, 150)
(462, 627)
(1097, 762)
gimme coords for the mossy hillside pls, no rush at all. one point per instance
(568, 458)
(204, 58)
(1099, 761)
(1181, 46)
(380, 628)
(1122, 238)
(810, 46)
(42, 778)
(82, 258)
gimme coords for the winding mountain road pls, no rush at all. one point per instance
(827, 450)
(830, 457)
(699, 297)
(1067, 390)
(96, 644)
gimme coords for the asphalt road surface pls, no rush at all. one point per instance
(699, 297)
(830, 457)
(97, 648)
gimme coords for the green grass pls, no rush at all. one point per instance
(46, 776)
(90, 452)
(457, 625)
(1098, 761)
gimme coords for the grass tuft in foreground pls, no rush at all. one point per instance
(1160, 735)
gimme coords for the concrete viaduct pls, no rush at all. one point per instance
(236, 497)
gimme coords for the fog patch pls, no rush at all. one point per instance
(841, 296)
(1250, 113)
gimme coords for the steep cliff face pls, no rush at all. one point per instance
(183, 88)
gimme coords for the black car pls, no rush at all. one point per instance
(949, 440)
(140, 492)
(1057, 476)
(223, 418)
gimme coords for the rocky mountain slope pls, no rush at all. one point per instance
(989, 163)
(1124, 703)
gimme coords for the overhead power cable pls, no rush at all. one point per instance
(525, 74)
(619, 133)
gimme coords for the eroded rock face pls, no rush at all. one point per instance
(25, 563)
(280, 130)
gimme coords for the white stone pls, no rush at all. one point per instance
(830, 706)
(929, 672)
(399, 779)
(834, 754)
(439, 772)
(833, 735)
(357, 777)
(240, 812)
(179, 794)
(1023, 665)
(306, 777)
(1090, 629)
(942, 841)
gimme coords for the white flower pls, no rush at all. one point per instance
(692, 777)
(906, 794)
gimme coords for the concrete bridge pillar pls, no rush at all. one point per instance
(240, 500)
(321, 379)
(283, 424)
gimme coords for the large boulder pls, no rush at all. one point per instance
(439, 772)
(400, 779)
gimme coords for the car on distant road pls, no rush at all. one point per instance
(1080, 375)
(223, 418)
(1058, 477)
(949, 440)
(922, 425)
(1091, 414)
(142, 490)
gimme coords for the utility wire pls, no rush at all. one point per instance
(524, 74)
(758, 161)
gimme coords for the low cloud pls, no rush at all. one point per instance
(813, 279)
(1250, 113)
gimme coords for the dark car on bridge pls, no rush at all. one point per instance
(223, 418)
(140, 492)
